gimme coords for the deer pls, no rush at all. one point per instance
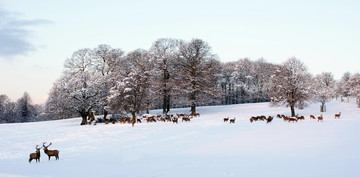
(320, 118)
(186, 119)
(301, 118)
(338, 115)
(291, 119)
(51, 152)
(312, 117)
(226, 119)
(175, 120)
(168, 119)
(269, 119)
(232, 120)
(35, 155)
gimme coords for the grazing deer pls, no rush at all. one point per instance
(138, 120)
(168, 119)
(286, 118)
(320, 118)
(232, 120)
(186, 119)
(195, 114)
(338, 115)
(162, 119)
(278, 116)
(35, 155)
(292, 119)
(226, 119)
(51, 152)
(269, 119)
(312, 117)
(301, 118)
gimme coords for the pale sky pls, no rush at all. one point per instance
(37, 36)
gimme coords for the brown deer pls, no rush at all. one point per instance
(338, 115)
(186, 119)
(312, 117)
(51, 152)
(226, 119)
(232, 120)
(320, 118)
(291, 119)
(301, 118)
(175, 120)
(35, 155)
(269, 119)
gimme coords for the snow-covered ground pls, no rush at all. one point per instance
(206, 146)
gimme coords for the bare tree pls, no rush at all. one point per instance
(164, 53)
(195, 64)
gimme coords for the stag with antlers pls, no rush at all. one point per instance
(35, 155)
(51, 152)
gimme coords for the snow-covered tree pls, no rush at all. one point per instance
(131, 91)
(353, 86)
(25, 110)
(80, 85)
(195, 65)
(164, 53)
(291, 85)
(106, 61)
(344, 91)
(7, 110)
(324, 88)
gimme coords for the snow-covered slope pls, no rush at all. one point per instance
(206, 146)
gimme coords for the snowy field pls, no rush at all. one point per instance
(206, 146)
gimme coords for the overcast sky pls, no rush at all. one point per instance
(37, 36)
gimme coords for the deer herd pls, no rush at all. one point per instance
(151, 119)
(50, 153)
(285, 118)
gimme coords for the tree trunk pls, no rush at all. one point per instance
(292, 111)
(322, 107)
(133, 118)
(193, 108)
(84, 118)
(105, 114)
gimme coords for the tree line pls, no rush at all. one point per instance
(176, 73)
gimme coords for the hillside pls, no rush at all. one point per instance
(206, 146)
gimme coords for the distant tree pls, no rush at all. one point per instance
(353, 86)
(291, 85)
(131, 90)
(324, 88)
(25, 110)
(195, 65)
(164, 53)
(344, 91)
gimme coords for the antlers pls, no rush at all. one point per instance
(47, 145)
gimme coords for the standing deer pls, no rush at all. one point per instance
(320, 118)
(35, 155)
(51, 152)
(338, 115)
(232, 120)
